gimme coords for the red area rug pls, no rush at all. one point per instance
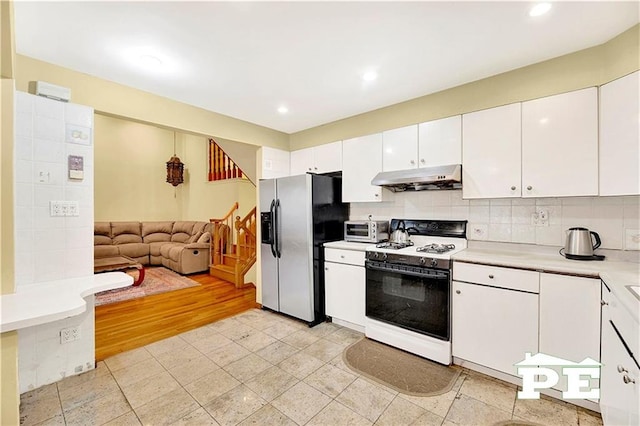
(156, 280)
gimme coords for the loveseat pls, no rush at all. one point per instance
(182, 246)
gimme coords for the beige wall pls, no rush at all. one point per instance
(589, 67)
(110, 98)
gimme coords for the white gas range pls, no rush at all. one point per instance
(408, 288)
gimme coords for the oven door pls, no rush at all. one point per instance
(412, 298)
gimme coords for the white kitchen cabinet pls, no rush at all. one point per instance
(440, 142)
(494, 326)
(569, 319)
(560, 145)
(275, 163)
(400, 148)
(318, 159)
(364, 161)
(344, 277)
(491, 152)
(620, 136)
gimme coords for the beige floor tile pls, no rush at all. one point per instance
(280, 330)
(197, 334)
(227, 354)
(54, 421)
(324, 350)
(301, 402)
(324, 329)
(300, 365)
(238, 332)
(139, 371)
(589, 418)
(177, 357)
(211, 343)
(225, 324)
(193, 369)
(300, 339)
(400, 412)
(235, 405)
(337, 414)
(258, 319)
(127, 359)
(128, 419)
(166, 345)
(271, 383)
(268, 415)
(338, 362)
(466, 411)
(366, 399)
(502, 396)
(330, 380)
(438, 404)
(257, 341)
(546, 411)
(276, 352)
(199, 417)
(167, 409)
(34, 409)
(429, 419)
(344, 336)
(247, 368)
(47, 391)
(72, 397)
(98, 411)
(146, 390)
(87, 376)
(211, 386)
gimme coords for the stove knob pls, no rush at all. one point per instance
(423, 260)
(384, 256)
(434, 262)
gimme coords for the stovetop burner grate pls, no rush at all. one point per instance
(394, 246)
(436, 248)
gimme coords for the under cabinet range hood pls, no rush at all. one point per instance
(425, 178)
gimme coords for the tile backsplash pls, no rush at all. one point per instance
(517, 220)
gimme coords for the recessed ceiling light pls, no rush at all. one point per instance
(150, 61)
(369, 76)
(539, 9)
(283, 110)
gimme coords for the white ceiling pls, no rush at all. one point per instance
(245, 59)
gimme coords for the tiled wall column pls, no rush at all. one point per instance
(52, 247)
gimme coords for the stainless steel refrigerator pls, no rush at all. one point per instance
(297, 215)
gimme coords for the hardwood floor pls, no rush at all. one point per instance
(131, 324)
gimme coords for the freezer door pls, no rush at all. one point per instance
(269, 262)
(295, 246)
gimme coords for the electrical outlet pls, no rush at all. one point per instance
(632, 239)
(55, 208)
(540, 217)
(64, 208)
(73, 209)
(69, 334)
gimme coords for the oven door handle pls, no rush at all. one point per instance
(444, 275)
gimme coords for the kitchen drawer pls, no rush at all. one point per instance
(350, 257)
(513, 279)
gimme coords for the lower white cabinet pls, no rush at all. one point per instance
(344, 277)
(569, 319)
(493, 327)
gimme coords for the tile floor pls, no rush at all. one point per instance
(259, 368)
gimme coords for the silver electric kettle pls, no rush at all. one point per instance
(580, 244)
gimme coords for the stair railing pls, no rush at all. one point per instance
(222, 241)
(245, 243)
(221, 166)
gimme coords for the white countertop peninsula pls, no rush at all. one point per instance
(349, 245)
(41, 303)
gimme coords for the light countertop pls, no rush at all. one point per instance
(41, 303)
(349, 245)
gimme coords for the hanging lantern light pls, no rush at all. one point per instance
(175, 167)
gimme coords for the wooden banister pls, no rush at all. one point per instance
(221, 166)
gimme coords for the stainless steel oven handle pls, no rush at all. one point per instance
(437, 275)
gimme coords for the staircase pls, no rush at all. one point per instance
(233, 246)
(221, 166)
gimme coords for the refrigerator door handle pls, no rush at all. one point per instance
(273, 229)
(277, 228)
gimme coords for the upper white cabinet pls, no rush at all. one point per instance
(619, 136)
(440, 142)
(275, 163)
(560, 145)
(400, 148)
(364, 161)
(491, 154)
(318, 159)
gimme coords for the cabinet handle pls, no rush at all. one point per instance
(603, 303)
(457, 291)
(375, 195)
(513, 188)
(341, 256)
(315, 168)
(309, 168)
(529, 188)
(422, 160)
(412, 162)
(621, 369)
(326, 269)
(626, 379)
(490, 276)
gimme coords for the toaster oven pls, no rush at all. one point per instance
(366, 231)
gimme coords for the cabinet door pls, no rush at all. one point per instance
(619, 136)
(440, 142)
(400, 148)
(365, 161)
(344, 292)
(569, 319)
(301, 161)
(494, 327)
(275, 163)
(327, 157)
(560, 145)
(491, 152)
